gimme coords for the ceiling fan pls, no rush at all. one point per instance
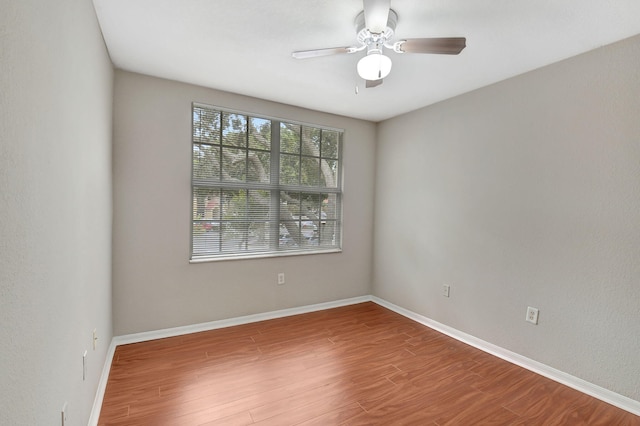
(375, 27)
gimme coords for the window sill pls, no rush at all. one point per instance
(262, 255)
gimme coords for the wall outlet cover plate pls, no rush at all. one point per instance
(532, 315)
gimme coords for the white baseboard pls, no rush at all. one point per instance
(102, 385)
(576, 383)
(213, 325)
(598, 392)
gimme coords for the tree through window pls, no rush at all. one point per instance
(263, 186)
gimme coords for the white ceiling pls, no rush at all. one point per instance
(244, 46)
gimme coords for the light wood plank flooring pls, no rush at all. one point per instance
(355, 365)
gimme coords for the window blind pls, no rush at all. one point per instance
(263, 186)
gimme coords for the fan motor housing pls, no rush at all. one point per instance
(368, 38)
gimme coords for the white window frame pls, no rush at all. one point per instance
(213, 248)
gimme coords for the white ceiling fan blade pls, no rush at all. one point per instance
(373, 83)
(441, 45)
(376, 14)
(304, 54)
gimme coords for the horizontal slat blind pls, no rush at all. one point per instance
(262, 185)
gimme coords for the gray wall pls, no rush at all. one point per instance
(155, 287)
(55, 209)
(524, 193)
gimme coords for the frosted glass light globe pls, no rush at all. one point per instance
(374, 66)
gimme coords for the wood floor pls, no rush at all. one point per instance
(356, 365)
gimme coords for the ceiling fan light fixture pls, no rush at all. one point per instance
(374, 66)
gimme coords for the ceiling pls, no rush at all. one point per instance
(244, 46)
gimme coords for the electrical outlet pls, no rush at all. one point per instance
(445, 290)
(95, 339)
(532, 315)
(281, 278)
(63, 414)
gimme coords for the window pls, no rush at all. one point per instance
(263, 186)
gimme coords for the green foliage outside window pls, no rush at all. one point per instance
(262, 185)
